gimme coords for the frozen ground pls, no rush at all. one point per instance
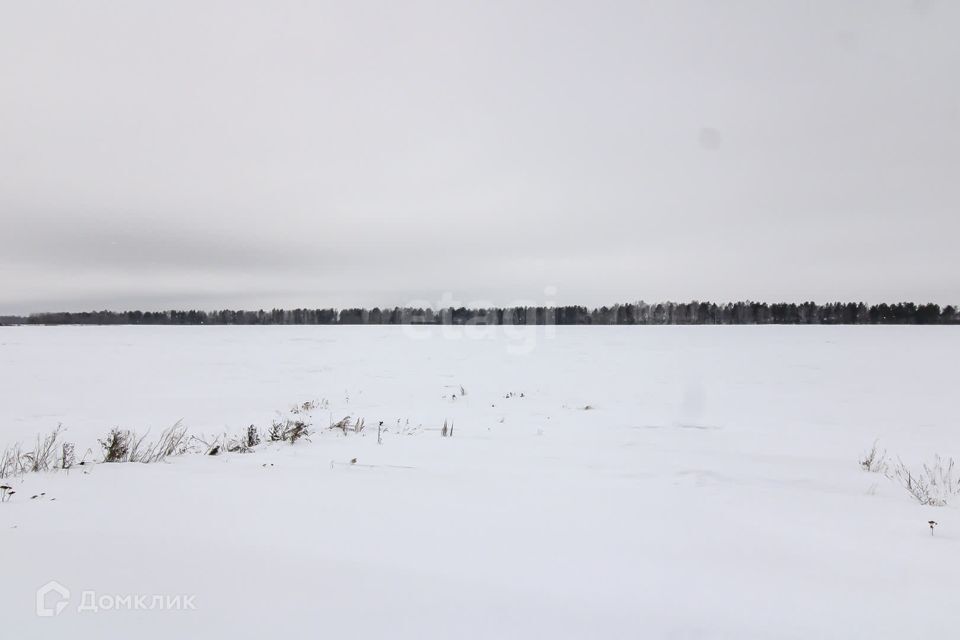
(711, 491)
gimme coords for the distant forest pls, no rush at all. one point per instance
(639, 313)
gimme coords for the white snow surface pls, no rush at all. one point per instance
(712, 489)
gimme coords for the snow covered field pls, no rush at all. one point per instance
(710, 490)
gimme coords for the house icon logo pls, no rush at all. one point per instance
(52, 599)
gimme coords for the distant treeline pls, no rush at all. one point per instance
(639, 313)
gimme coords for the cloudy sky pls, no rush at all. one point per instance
(254, 154)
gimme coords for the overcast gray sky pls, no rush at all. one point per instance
(256, 154)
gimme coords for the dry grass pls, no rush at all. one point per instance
(121, 445)
(875, 460)
(932, 485)
(15, 461)
(296, 426)
(349, 425)
(447, 430)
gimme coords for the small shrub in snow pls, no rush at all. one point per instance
(237, 445)
(116, 446)
(347, 425)
(296, 426)
(875, 460)
(244, 443)
(306, 407)
(68, 456)
(288, 430)
(341, 424)
(933, 485)
(5, 492)
(297, 430)
(275, 433)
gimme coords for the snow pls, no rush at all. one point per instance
(711, 490)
